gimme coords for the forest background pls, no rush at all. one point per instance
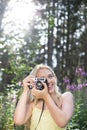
(56, 35)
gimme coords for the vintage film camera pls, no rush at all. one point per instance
(38, 82)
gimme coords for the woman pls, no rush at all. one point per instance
(41, 105)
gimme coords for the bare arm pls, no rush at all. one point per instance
(61, 116)
(23, 110)
(24, 107)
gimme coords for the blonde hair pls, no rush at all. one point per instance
(41, 66)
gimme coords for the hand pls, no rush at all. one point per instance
(40, 94)
(28, 81)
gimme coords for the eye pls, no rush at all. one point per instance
(50, 76)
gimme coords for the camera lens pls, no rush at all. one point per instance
(39, 85)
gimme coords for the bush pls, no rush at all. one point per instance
(79, 119)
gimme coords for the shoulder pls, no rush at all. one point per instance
(67, 95)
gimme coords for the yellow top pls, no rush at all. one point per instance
(46, 121)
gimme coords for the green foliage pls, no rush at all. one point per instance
(7, 107)
(51, 22)
(19, 128)
(6, 112)
(79, 89)
(79, 119)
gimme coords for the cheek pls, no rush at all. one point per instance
(51, 89)
(54, 80)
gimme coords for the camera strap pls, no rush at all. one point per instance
(40, 115)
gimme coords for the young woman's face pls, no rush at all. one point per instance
(46, 73)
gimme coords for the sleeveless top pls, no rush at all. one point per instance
(46, 121)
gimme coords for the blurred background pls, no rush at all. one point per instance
(53, 32)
